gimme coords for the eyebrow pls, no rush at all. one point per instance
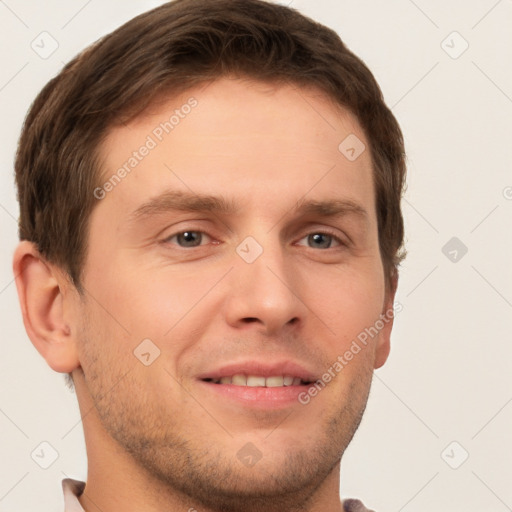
(190, 202)
(186, 202)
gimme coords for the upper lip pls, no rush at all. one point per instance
(260, 368)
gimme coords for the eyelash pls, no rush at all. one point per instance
(319, 232)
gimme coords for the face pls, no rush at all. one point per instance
(242, 247)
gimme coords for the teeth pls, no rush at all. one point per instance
(254, 381)
(274, 382)
(239, 380)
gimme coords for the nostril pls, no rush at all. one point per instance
(250, 319)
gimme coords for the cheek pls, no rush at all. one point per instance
(346, 300)
(103, 350)
(143, 303)
(163, 301)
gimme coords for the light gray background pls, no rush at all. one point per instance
(449, 374)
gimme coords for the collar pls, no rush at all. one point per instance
(72, 490)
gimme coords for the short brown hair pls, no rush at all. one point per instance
(168, 50)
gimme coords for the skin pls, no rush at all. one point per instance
(264, 147)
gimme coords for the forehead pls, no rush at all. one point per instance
(238, 137)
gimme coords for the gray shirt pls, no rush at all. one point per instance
(73, 489)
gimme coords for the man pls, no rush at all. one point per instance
(210, 232)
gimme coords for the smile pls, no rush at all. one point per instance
(255, 381)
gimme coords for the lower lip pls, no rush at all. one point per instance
(259, 397)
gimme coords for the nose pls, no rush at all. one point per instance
(265, 294)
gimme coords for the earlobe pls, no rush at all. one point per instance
(42, 299)
(387, 317)
(382, 351)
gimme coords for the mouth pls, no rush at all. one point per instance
(259, 385)
(259, 381)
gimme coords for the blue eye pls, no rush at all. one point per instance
(321, 240)
(195, 238)
(188, 238)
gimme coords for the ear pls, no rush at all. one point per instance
(42, 295)
(384, 340)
